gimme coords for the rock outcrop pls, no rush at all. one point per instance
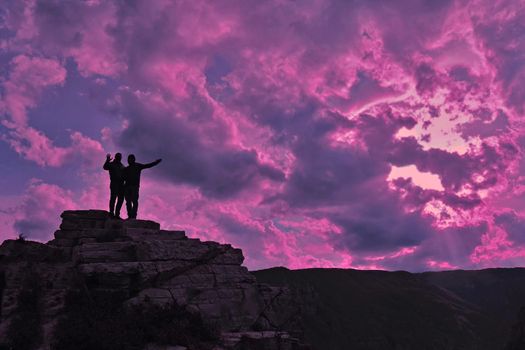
(139, 263)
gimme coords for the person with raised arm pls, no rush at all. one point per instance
(132, 184)
(116, 185)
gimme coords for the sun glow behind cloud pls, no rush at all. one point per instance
(424, 180)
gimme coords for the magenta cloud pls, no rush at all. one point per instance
(279, 123)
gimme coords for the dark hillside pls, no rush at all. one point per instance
(352, 309)
(498, 293)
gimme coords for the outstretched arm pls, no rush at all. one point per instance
(152, 164)
(106, 164)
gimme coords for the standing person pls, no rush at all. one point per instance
(116, 186)
(132, 179)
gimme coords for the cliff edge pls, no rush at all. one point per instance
(49, 291)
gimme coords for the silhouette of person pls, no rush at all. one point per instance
(116, 186)
(132, 184)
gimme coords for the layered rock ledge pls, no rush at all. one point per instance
(141, 263)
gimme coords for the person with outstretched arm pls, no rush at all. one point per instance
(132, 184)
(116, 185)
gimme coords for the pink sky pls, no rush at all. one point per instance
(315, 133)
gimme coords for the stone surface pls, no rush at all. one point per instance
(92, 214)
(104, 252)
(147, 224)
(20, 250)
(260, 340)
(164, 347)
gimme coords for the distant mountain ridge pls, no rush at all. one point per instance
(359, 309)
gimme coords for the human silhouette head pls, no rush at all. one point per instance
(118, 157)
(131, 159)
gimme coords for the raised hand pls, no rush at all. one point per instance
(108, 156)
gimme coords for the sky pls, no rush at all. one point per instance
(371, 134)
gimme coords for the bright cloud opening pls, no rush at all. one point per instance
(424, 180)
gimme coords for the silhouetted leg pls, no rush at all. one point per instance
(112, 198)
(120, 200)
(136, 204)
(133, 197)
(128, 197)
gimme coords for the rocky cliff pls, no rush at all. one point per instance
(123, 268)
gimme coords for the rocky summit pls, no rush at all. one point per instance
(98, 277)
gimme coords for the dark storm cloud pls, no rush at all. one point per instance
(370, 214)
(417, 196)
(379, 226)
(205, 161)
(34, 228)
(504, 37)
(513, 224)
(482, 128)
(454, 169)
(452, 246)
